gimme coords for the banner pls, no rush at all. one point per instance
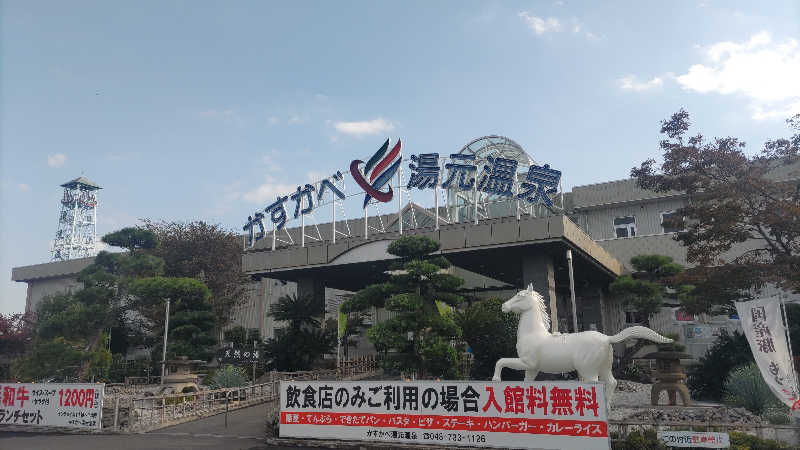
(694, 439)
(72, 405)
(565, 414)
(763, 327)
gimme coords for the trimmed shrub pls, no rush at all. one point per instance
(227, 377)
(639, 440)
(746, 388)
(706, 379)
(744, 441)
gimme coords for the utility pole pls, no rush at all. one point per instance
(254, 361)
(164, 352)
(572, 292)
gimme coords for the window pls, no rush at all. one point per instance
(671, 222)
(635, 317)
(625, 226)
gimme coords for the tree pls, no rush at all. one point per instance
(191, 321)
(706, 379)
(76, 326)
(304, 340)
(132, 239)
(355, 322)
(491, 334)
(741, 219)
(236, 335)
(81, 321)
(419, 333)
(644, 291)
(206, 252)
(16, 332)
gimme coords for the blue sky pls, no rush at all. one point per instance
(189, 110)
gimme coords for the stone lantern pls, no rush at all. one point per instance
(180, 374)
(669, 376)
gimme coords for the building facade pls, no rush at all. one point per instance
(604, 225)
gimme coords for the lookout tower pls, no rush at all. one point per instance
(77, 222)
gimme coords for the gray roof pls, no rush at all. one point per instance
(56, 269)
(600, 194)
(81, 181)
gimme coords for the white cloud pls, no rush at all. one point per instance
(56, 160)
(268, 191)
(541, 25)
(272, 120)
(764, 71)
(779, 112)
(269, 160)
(358, 129)
(313, 176)
(294, 119)
(22, 187)
(632, 83)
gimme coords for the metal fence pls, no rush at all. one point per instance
(141, 413)
(149, 413)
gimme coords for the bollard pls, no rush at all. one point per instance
(227, 398)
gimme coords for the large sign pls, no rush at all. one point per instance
(493, 176)
(763, 327)
(466, 413)
(72, 405)
(694, 439)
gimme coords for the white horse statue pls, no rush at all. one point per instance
(588, 352)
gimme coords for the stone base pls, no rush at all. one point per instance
(672, 390)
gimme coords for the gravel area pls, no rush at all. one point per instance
(632, 402)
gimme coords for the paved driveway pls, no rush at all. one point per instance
(245, 431)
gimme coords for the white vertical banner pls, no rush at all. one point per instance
(763, 326)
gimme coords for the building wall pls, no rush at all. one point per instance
(598, 222)
(39, 289)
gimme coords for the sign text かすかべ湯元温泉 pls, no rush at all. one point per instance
(493, 176)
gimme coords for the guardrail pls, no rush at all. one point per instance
(140, 413)
(149, 413)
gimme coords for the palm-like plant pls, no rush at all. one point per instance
(300, 312)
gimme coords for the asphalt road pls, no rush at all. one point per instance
(245, 431)
(32, 441)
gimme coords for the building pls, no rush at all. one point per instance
(495, 245)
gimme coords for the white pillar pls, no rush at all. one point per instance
(572, 292)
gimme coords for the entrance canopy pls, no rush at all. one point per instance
(500, 249)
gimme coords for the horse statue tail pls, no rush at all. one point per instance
(638, 332)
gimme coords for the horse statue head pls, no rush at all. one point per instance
(528, 299)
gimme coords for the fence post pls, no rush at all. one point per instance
(116, 412)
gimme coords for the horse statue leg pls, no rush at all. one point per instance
(608, 378)
(513, 363)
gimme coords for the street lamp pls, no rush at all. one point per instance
(164, 352)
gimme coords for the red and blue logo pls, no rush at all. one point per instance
(378, 171)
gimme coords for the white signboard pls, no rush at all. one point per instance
(694, 439)
(73, 405)
(564, 414)
(763, 327)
